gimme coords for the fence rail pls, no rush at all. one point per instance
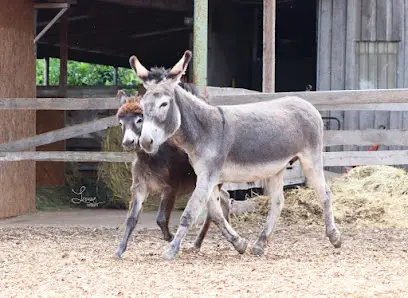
(343, 158)
(386, 99)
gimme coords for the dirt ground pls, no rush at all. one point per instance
(299, 262)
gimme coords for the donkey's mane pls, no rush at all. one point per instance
(180, 91)
(157, 74)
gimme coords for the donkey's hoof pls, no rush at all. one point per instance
(197, 246)
(335, 238)
(169, 237)
(241, 245)
(257, 250)
(170, 253)
(117, 255)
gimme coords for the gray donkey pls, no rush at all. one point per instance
(237, 143)
(167, 172)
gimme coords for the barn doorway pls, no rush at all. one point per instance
(296, 46)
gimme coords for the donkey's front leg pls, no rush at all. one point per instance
(199, 198)
(221, 220)
(139, 194)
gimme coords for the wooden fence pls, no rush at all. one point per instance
(361, 100)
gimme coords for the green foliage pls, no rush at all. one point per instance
(85, 74)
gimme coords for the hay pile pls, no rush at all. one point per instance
(371, 196)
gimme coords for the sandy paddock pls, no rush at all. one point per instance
(299, 262)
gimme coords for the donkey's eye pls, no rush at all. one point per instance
(163, 104)
(139, 121)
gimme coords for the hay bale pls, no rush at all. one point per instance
(118, 176)
(371, 196)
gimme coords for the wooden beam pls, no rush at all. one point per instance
(68, 156)
(332, 98)
(171, 5)
(366, 137)
(59, 104)
(63, 78)
(82, 91)
(46, 71)
(51, 5)
(359, 158)
(268, 72)
(60, 134)
(345, 158)
(115, 76)
(200, 52)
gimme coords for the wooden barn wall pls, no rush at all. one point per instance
(17, 79)
(347, 28)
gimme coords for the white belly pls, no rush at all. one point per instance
(237, 173)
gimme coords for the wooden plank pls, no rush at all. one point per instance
(381, 118)
(63, 77)
(68, 156)
(359, 158)
(363, 107)
(338, 56)
(216, 91)
(404, 118)
(373, 96)
(398, 8)
(268, 70)
(82, 91)
(366, 79)
(46, 71)
(390, 99)
(396, 35)
(324, 40)
(383, 23)
(59, 103)
(324, 29)
(368, 20)
(352, 118)
(366, 137)
(60, 134)
(343, 158)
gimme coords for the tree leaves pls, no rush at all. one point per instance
(85, 74)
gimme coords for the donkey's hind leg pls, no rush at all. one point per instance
(218, 215)
(274, 188)
(139, 194)
(163, 215)
(312, 166)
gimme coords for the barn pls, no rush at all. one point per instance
(270, 46)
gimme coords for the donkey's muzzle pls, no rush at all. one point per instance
(129, 144)
(147, 144)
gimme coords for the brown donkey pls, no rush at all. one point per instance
(167, 172)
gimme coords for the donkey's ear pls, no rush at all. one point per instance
(121, 95)
(180, 68)
(140, 70)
